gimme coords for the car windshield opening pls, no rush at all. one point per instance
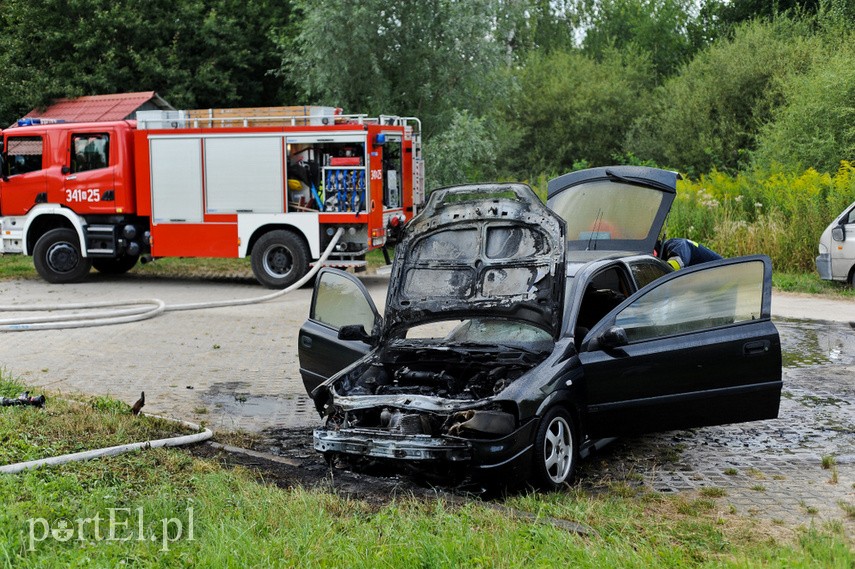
(483, 331)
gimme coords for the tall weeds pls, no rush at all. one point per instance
(776, 212)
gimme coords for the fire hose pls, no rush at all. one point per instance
(145, 309)
(114, 450)
(132, 310)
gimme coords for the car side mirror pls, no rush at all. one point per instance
(354, 332)
(66, 170)
(838, 233)
(614, 337)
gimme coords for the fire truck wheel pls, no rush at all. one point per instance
(58, 259)
(118, 266)
(279, 259)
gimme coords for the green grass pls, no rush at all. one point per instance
(810, 283)
(16, 266)
(20, 267)
(62, 427)
(238, 521)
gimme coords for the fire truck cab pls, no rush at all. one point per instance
(273, 186)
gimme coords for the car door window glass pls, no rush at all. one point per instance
(646, 273)
(696, 301)
(340, 302)
(24, 154)
(89, 152)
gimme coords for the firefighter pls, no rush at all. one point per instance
(681, 253)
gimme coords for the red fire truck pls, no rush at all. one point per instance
(268, 184)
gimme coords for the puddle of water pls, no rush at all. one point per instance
(805, 343)
(234, 400)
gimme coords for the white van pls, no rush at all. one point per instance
(836, 260)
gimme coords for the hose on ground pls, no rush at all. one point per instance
(114, 450)
(133, 310)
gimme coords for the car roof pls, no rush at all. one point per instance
(579, 261)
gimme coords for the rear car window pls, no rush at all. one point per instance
(607, 210)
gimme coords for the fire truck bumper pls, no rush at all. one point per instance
(11, 235)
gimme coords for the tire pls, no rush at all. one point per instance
(279, 259)
(556, 448)
(58, 259)
(118, 266)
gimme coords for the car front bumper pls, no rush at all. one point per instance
(823, 266)
(481, 457)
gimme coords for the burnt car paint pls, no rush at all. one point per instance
(491, 250)
(444, 403)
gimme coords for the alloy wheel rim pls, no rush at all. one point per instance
(558, 450)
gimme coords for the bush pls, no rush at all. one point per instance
(707, 117)
(570, 108)
(816, 127)
(775, 212)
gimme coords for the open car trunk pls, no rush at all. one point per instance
(618, 208)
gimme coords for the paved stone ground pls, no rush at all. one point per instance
(769, 469)
(236, 368)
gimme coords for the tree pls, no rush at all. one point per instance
(666, 29)
(536, 25)
(734, 13)
(193, 52)
(815, 128)
(423, 59)
(708, 116)
(464, 152)
(570, 108)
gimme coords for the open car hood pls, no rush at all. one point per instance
(489, 250)
(617, 208)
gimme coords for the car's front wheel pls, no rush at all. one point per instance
(555, 450)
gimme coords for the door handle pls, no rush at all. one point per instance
(306, 341)
(757, 347)
(70, 178)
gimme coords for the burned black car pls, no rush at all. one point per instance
(518, 337)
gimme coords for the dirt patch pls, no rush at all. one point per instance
(310, 470)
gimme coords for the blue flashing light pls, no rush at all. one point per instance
(379, 139)
(29, 121)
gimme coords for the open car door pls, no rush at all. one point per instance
(339, 300)
(694, 348)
